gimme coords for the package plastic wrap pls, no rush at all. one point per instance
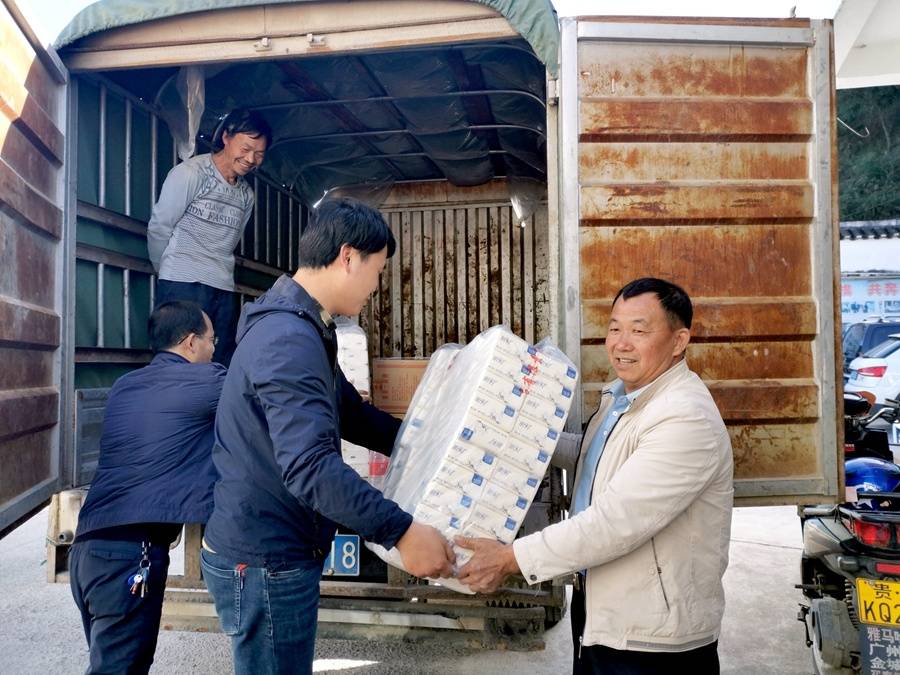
(353, 358)
(478, 438)
(181, 102)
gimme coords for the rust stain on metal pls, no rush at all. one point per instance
(738, 260)
(691, 70)
(774, 450)
(696, 117)
(621, 162)
(25, 461)
(765, 399)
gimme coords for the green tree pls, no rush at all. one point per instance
(869, 168)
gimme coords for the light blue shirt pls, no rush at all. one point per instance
(581, 498)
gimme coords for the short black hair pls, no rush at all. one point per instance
(173, 321)
(242, 121)
(343, 221)
(675, 302)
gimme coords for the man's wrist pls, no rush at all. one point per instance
(510, 564)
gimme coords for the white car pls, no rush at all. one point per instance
(877, 371)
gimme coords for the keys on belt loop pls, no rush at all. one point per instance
(138, 581)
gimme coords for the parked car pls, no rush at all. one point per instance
(878, 370)
(862, 336)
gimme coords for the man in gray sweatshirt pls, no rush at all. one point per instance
(203, 207)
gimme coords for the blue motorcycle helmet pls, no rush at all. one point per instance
(869, 474)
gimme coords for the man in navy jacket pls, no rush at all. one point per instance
(283, 485)
(155, 473)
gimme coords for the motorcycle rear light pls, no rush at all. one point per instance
(888, 568)
(872, 371)
(849, 447)
(872, 534)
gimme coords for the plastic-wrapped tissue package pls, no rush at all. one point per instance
(353, 354)
(478, 438)
(353, 358)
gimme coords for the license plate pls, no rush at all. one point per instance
(878, 602)
(343, 561)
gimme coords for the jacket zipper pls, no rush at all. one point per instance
(659, 573)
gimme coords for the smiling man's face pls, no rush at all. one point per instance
(641, 341)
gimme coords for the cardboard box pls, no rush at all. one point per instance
(394, 383)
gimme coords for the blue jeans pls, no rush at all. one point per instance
(270, 615)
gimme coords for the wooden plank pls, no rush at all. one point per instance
(417, 307)
(473, 274)
(506, 263)
(722, 361)
(600, 163)
(718, 318)
(28, 94)
(462, 272)
(427, 282)
(396, 344)
(440, 288)
(739, 260)
(192, 51)
(451, 327)
(494, 289)
(23, 410)
(516, 270)
(542, 295)
(732, 118)
(773, 450)
(529, 287)
(622, 69)
(406, 301)
(28, 325)
(483, 254)
(712, 201)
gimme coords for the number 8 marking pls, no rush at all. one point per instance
(348, 555)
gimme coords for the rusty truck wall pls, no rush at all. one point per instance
(704, 156)
(32, 269)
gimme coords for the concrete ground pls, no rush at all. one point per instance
(41, 629)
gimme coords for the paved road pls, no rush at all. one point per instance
(41, 631)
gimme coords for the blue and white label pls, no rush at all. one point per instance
(522, 503)
(509, 411)
(560, 413)
(454, 522)
(543, 457)
(571, 372)
(552, 435)
(478, 480)
(532, 350)
(567, 392)
(466, 433)
(488, 458)
(510, 524)
(343, 560)
(466, 501)
(526, 370)
(532, 481)
(517, 390)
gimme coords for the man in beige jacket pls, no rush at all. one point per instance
(649, 526)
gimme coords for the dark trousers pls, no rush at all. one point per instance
(121, 628)
(601, 660)
(220, 306)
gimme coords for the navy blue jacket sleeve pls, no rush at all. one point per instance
(293, 382)
(364, 424)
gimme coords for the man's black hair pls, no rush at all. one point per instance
(241, 121)
(173, 321)
(675, 302)
(343, 221)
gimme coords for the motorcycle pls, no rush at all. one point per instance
(850, 564)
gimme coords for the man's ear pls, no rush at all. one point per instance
(344, 256)
(682, 339)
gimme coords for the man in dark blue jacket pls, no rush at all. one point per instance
(283, 485)
(155, 473)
